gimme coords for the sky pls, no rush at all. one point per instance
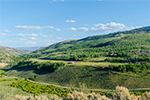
(30, 23)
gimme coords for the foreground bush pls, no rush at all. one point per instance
(82, 96)
(37, 89)
(41, 97)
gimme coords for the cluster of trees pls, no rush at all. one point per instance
(133, 60)
(37, 89)
(26, 64)
(51, 66)
(44, 66)
(136, 68)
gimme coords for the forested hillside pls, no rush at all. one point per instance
(131, 45)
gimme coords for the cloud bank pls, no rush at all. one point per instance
(108, 27)
(105, 28)
(25, 35)
(6, 30)
(79, 29)
(25, 27)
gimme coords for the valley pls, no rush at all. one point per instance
(96, 63)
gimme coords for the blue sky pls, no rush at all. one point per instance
(29, 23)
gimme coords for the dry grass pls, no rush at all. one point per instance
(98, 64)
(3, 65)
(121, 93)
(83, 63)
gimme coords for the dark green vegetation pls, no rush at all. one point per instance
(45, 66)
(37, 89)
(127, 48)
(137, 68)
(92, 77)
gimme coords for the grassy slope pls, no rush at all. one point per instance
(10, 91)
(92, 77)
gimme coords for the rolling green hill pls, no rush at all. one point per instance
(133, 45)
(102, 61)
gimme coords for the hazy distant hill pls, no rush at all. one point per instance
(28, 48)
(7, 53)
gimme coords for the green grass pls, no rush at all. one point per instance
(92, 77)
(2, 71)
(88, 63)
(97, 59)
(97, 64)
(13, 91)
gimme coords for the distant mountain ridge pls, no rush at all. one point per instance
(28, 48)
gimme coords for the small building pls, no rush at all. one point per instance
(114, 55)
(79, 59)
(71, 62)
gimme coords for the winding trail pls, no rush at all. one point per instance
(76, 87)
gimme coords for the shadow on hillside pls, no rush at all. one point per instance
(40, 72)
(97, 69)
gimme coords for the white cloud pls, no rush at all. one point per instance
(58, 29)
(6, 30)
(73, 29)
(105, 28)
(25, 35)
(34, 34)
(71, 21)
(33, 38)
(83, 29)
(3, 34)
(48, 27)
(19, 35)
(110, 27)
(23, 39)
(25, 27)
(79, 29)
(59, 38)
(76, 35)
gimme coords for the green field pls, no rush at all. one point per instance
(91, 62)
